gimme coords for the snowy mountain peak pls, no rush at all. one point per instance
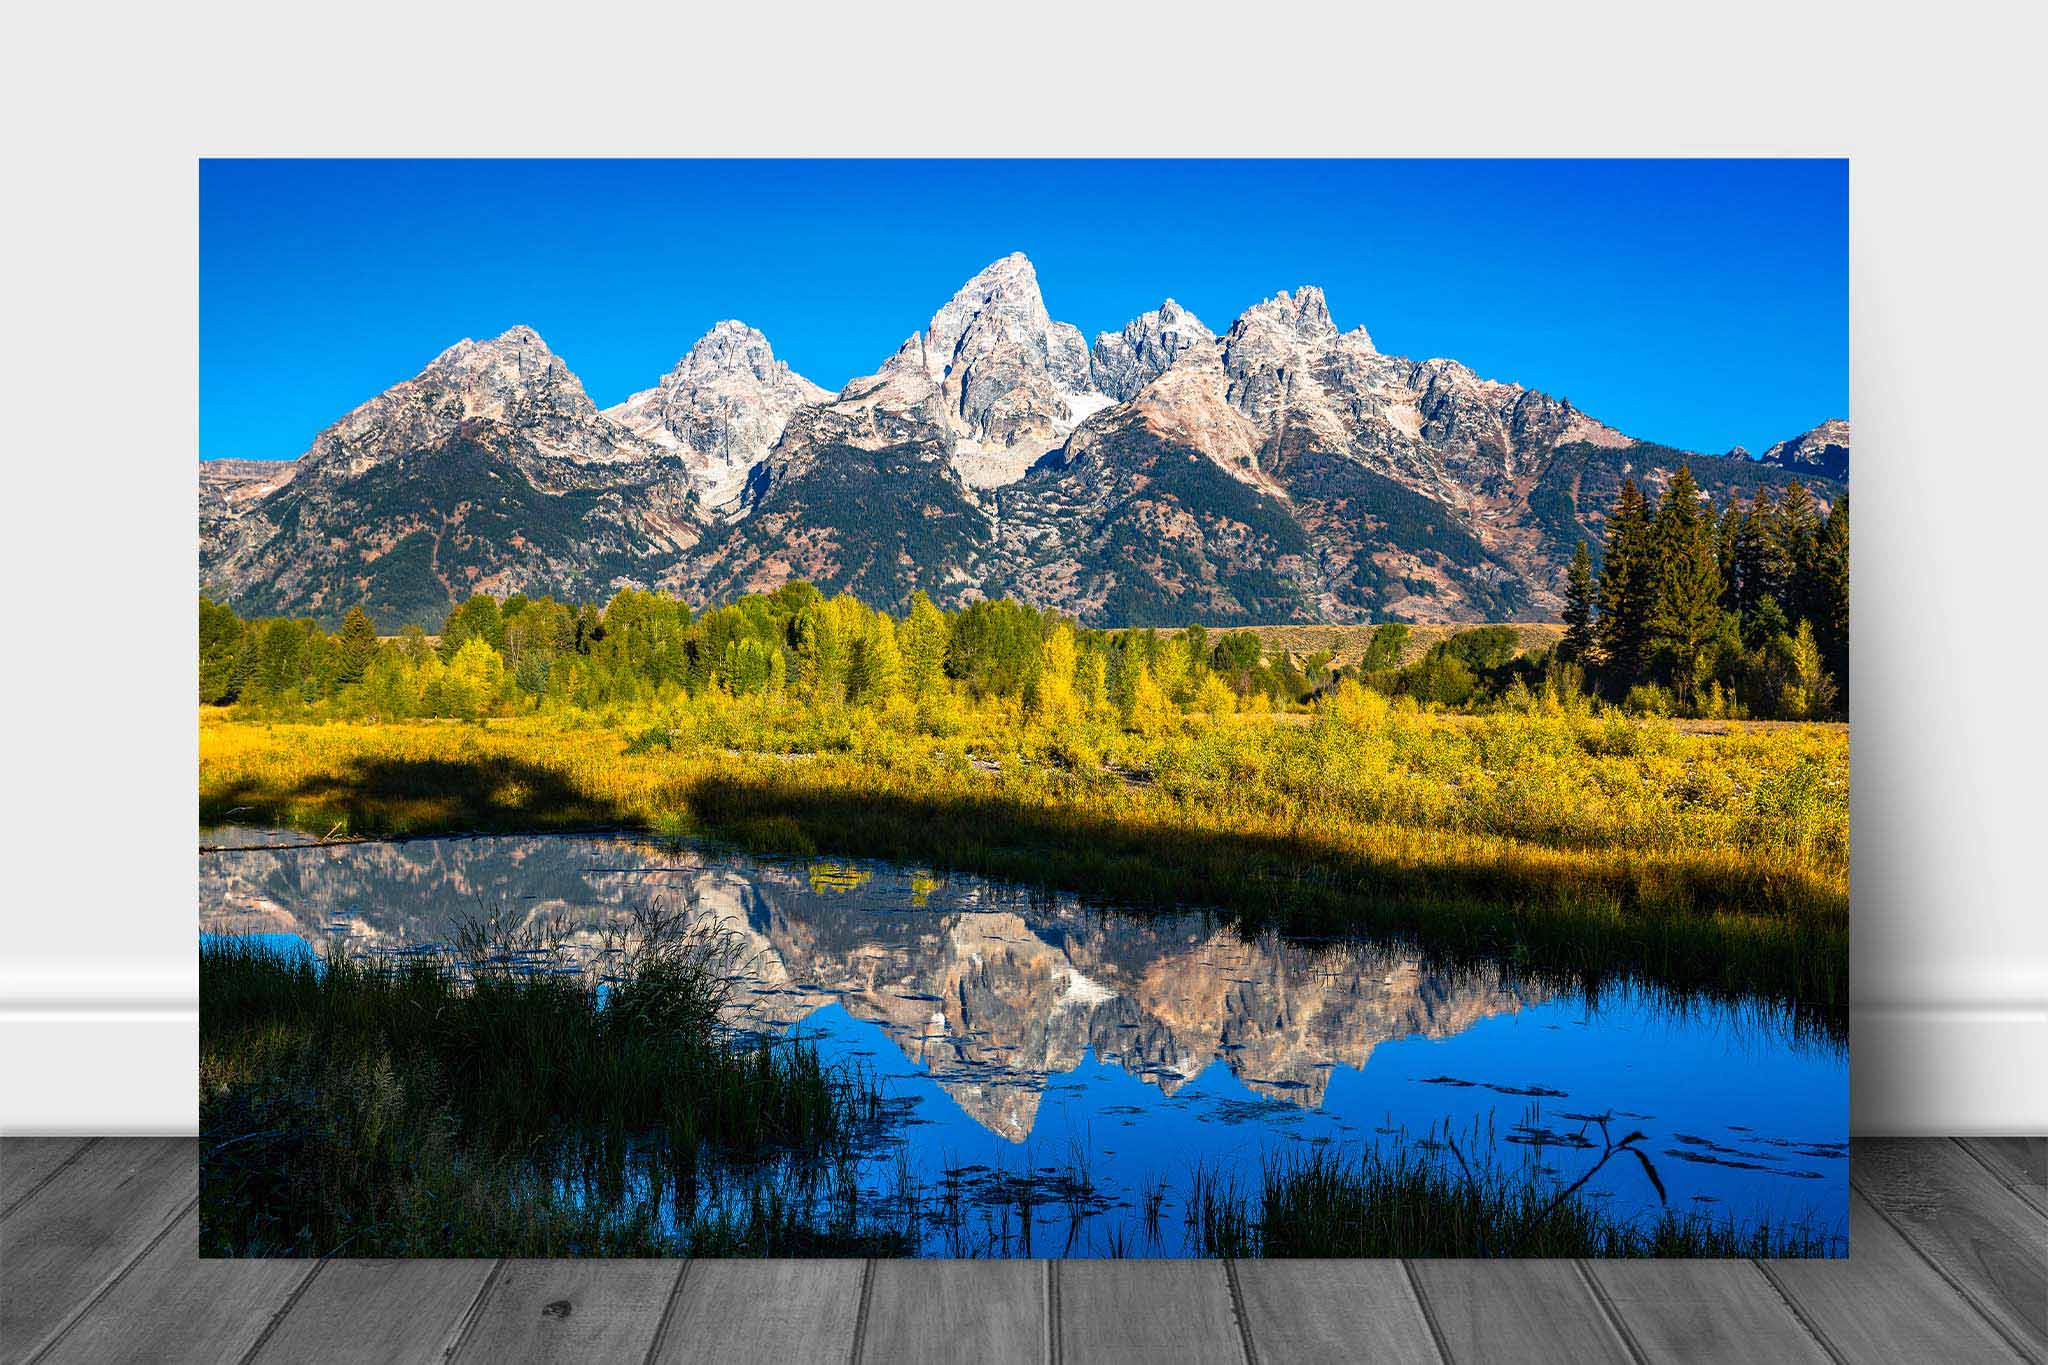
(1122, 363)
(994, 370)
(721, 408)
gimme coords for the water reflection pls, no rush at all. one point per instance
(1018, 1025)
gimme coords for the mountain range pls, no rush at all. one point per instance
(1280, 471)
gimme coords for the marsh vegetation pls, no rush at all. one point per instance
(486, 1098)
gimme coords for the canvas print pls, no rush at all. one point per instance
(1023, 708)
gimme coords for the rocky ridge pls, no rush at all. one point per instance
(1823, 451)
(1285, 470)
(723, 407)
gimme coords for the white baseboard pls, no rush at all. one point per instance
(128, 1066)
(100, 1069)
(1923, 1068)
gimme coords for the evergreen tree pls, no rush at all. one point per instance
(589, 628)
(1685, 613)
(1798, 534)
(1578, 608)
(1727, 551)
(222, 644)
(1623, 633)
(1831, 595)
(1759, 569)
(358, 646)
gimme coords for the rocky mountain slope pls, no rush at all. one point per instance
(722, 407)
(489, 470)
(1823, 451)
(1286, 470)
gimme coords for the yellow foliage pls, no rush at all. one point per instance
(1056, 702)
(1152, 712)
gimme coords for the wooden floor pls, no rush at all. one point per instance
(1949, 1263)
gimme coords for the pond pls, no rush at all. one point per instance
(1027, 1038)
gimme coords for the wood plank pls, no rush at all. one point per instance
(2021, 1162)
(939, 1311)
(379, 1311)
(173, 1306)
(764, 1312)
(1977, 1231)
(96, 1217)
(1885, 1302)
(1703, 1311)
(1173, 1312)
(26, 1162)
(571, 1311)
(1516, 1310)
(1334, 1311)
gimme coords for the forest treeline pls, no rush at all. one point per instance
(1739, 613)
(1744, 612)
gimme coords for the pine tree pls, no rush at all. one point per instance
(358, 647)
(1831, 595)
(1798, 533)
(1685, 614)
(1727, 552)
(1578, 608)
(1623, 633)
(222, 642)
(1758, 568)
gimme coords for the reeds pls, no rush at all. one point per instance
(1427, 1199)
(477, 1101)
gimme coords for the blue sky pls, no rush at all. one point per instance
(1698, 303)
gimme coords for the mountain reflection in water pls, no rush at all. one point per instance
(1010, 1003)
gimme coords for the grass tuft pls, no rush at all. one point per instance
(483, 1100)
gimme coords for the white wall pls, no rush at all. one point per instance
(105, 115)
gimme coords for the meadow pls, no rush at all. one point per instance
(1553, 835)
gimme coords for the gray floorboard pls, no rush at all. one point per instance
(1705, 1311)
(173, 1307)
(66, 1244)
(931, 1312)
(764, 1313)
(1516, 1310)
(1886, 1303)
(1333, 1311)
(571, 1311)
(378, 1313)
(1981, 1235)
(26, 1164)
(1171, 1312)
(2020, 1162)
(1949, 1262)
